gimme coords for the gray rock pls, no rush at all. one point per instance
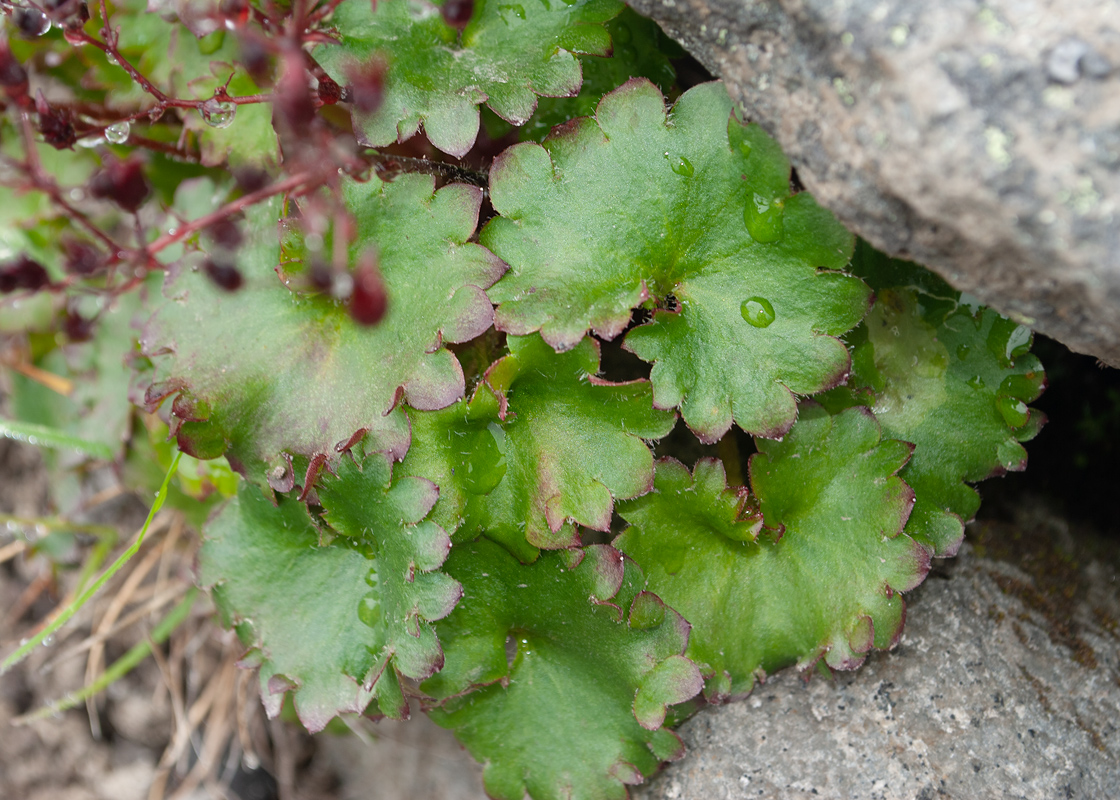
(1005, 685)
(979, 138)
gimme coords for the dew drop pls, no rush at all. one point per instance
(680, 165)
(511, 11)
(1018, 342)
(217, 113)
(1013, 410)
(48, 640)
(976, 382)
(112, 59)
(118, 133)
(369, 610)
(31, 22)
(482, 464)
(758, 311)
(764, 219)
(962, 352)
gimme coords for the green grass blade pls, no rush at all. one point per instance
(84, 597)
(43, 436)
(123, 665)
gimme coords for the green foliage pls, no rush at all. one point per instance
(820, 581)
(670, 201)
(407, 590)
(542, 444)
(434, 453)
(952, 379)
(507, 55)
(577, 711)
(295, 604)
(640, 49)
(278, 371)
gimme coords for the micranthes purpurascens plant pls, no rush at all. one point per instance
(456, 487)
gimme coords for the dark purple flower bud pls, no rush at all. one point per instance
(123, 182)
(369, 301)
(54, 124)
(457, 13)
(329, 90)
(22, 273)
(82, 258)
(251, 179)
(13, 77)
(256, 59)
(293, 108)
(67, 12)
(225, 233)
(224, 275)
(320, 275)
(77, 327)
(234, 11)
(367, 85)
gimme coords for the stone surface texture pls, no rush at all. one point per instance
(1005, 685)
(979, 138)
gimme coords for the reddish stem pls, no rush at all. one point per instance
(290, 184)
(43, 182)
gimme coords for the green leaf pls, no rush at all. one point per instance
(628, 206)
(277, 371)
(506, 56)
(457, 449)
(576, 709)
(638, 49)
(822, 582)
(543, 443)
(407, 590)
(950, 379)
(295, 603)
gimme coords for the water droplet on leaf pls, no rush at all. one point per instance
(217, 113)
(482, 465)
(680, 165)
(758, 311)
(509, 12)
(976, 382)
(1013, 410)
(962, 352)
(369, 610)
(118, 133)
(1018, 342)
(31, 22)
(764, 219)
